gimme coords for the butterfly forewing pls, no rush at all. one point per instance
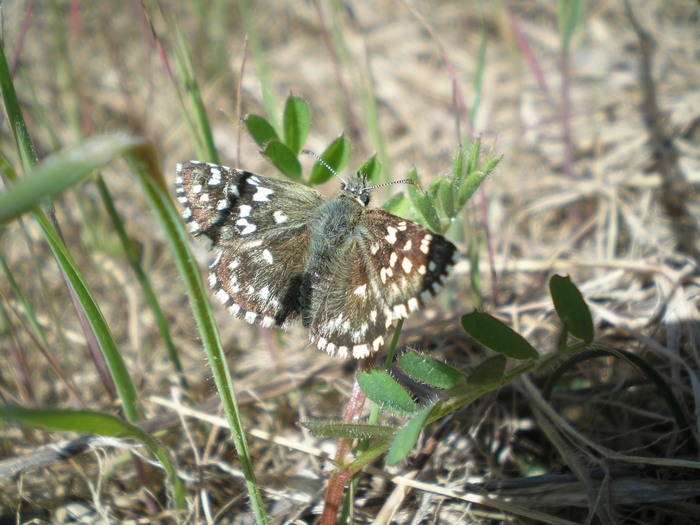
(259, 228)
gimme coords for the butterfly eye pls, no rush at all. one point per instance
(364, 198)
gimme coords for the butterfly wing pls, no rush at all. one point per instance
(259, 229)
(394, 266)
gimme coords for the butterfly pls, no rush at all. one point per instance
(284, 253)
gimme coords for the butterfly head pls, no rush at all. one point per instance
(358, 188)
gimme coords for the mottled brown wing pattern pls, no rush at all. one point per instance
(259, 231)
(396, 266)
(284, 253)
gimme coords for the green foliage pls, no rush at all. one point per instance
(437, 208)
(447, 195)
(260, 130)
(489, 372)
(493, 334)
(431, 371)
(386, 392)
(335, 157)
(571, 308)
(86, 422)
(283, 159)
(454, 388)
(297, 121)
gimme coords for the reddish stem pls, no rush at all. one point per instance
(340, 477)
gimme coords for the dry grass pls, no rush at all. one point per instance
(607, 218)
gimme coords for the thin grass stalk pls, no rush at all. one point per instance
(163, 206)
(258, 55)
(148, 292)
(96, 330)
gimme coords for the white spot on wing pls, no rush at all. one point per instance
(248, 228)
(391, 237)
(360, 351)
(267, 255)
(222, 295)
(279, 217)
(392, 259)
(262, 194)
(406, 265)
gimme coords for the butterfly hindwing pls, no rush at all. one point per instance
(396, 265)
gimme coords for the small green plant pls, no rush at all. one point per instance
(437, 209)
(455, 388)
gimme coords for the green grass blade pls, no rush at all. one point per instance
(14, 114)
(144, 282)
(178, 240)
(256, 50)
(87, 422)
(48, 180)
(62, 171)
(203, 137)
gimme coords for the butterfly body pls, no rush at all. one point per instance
(284, 253)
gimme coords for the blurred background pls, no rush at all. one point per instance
(595, 108)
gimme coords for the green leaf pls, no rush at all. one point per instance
(372, 168)
(62, 171)
(423, 205)
(495, 335)
(431, 371)
(260, 129)
(397, 204)
(473, 156)
(297, 122)
(283, 158)
(341, 429)
(458, 167)
(571, 308)
(385, 392)
(86, 422)
(489, 371)
(336, 156)
(407, 437)
(446, 192)
(469, 186)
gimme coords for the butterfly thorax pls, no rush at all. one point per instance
(333, 226)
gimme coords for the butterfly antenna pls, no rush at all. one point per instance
(412, 182)
(323, 163)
